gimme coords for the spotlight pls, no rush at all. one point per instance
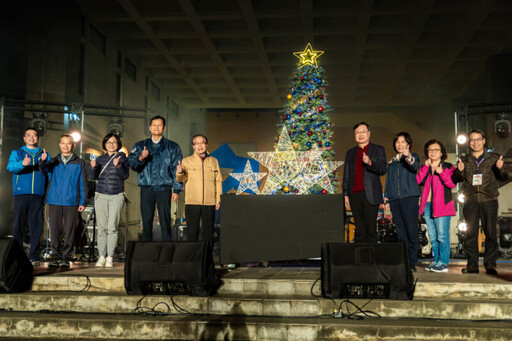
(76, 135)
(39, 122)
(502, 126)
(462, 226)
(461, 197)
(462, 139)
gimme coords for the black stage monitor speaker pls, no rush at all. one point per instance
(15, 267)
(170, 268)
(366, 270)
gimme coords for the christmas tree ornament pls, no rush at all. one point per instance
(308, 56)
(289, 96)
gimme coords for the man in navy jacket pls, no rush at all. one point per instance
(364, 164)
(155, 160)
(29, 187)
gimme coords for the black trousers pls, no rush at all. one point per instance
(162, 199)
(204, 214)
(487, 213)
(365, 217)
(63, 219)
(28, 206)
(405, 216)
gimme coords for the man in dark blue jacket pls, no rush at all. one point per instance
(364, 164)
(29, 187)
(155, 160)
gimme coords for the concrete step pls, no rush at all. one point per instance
(457, 309)
(429, 285)
(23, 326)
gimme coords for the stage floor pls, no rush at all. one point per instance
(453, 275)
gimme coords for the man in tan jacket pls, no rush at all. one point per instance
(203, 186)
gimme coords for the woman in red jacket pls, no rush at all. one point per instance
(437, 204)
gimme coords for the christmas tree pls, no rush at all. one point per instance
(305, 117)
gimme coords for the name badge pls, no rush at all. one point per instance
(477, 179)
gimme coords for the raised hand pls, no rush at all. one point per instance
(460, 164)
(439, 169)
(144, 154)
(93, 163)
(499, 163)
(26, 160)
(407, 152)
(179, 169)
(44, 156)
(428, 162)
(116, 161)
(366, 159)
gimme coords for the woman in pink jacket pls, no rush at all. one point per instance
(437, 204)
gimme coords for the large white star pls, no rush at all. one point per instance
(248, 179)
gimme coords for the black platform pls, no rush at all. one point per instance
(278, 227)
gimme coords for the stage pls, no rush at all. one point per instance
(257, 303)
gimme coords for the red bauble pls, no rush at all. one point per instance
(319, 143)
(321, 96)
(300, 114)
(301, 78)
(324, 191)
(325, 131)
(284, 117)
(320, 109)
(310, 133)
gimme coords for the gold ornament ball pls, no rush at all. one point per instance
(286, 189)
(289, 96)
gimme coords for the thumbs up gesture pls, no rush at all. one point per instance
(144, 154)
(26, 160)
(179, 169)
(499, 163)
(44, 156)
(439, 168)
(460, 165)
(366, 159)
(116, 161)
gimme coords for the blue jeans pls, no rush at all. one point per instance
(439, 234)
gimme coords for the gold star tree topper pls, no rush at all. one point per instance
(308, 56)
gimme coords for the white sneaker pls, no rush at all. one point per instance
(101, 262)
(109, 262)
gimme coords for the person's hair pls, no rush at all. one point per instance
(441, 145)
(477, 131)
(157, 117)
(360, 124)
(32, 128)
(407, 139)
(107, 137)
(199, 135)
(68, 136)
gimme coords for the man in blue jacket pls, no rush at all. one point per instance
(364, 164)
(29, 186)
(67, 195)
(155, 160)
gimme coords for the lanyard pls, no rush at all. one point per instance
(478, 164)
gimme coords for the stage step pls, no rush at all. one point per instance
(87, 302)
(21, 326)
(297, 284)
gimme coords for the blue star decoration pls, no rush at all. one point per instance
(228, 159)
(248, 180)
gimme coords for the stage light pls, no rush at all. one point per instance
(462, 139)
(116, 127)
(76, 135)
(462, 226)
(461, 197)
(39, 122)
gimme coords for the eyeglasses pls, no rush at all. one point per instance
(433, 150)
(111, 143)
(476, 140)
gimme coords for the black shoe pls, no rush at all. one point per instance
(54, 263)
(64, 264)
(469, 270)
(491, 270)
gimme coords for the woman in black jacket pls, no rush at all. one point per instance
(110, 169)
